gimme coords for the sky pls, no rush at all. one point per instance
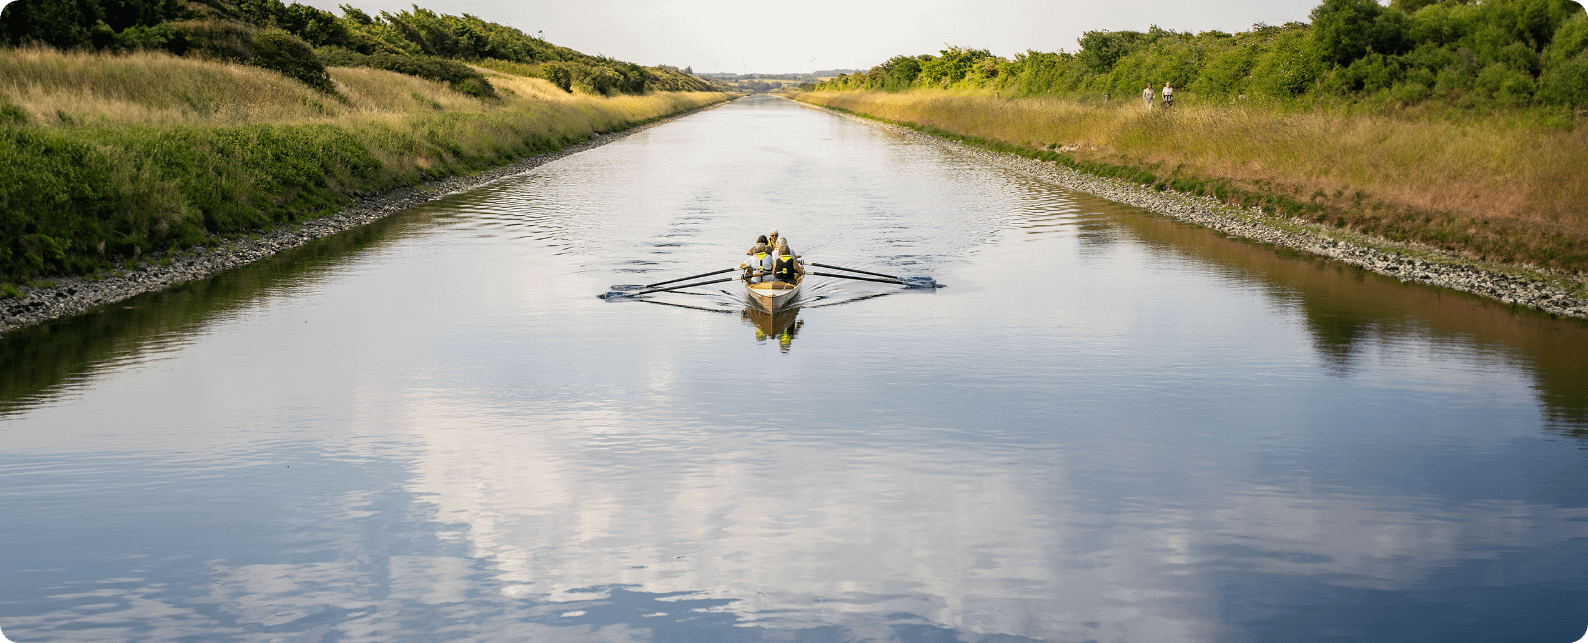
(744, 37)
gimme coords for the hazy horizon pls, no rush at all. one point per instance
(713, 36)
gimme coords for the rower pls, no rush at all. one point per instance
(786, 268)
(758, 265)
(772, 239)
(759, 241)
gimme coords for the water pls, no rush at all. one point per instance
(1108, 427)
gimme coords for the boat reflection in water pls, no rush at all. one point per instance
(781, 324)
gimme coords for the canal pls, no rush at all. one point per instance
(1108, 426)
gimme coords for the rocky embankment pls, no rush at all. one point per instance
(67, 296)
(1542, 289)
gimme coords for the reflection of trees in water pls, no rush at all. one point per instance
(38, 358)
(782, 325)
(1337, 333)
(1562, 385)
(1345, 308)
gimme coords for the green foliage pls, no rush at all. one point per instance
(604, 77)
(1101, 50)
(279, 36)
(954, 65)
(1496, 54)
(900, 71)
(281, 51)
(57, 190)
(1344, 31)
(1565, 77)
(459, 76)
(12, 115)
(78, 24)
(316, 27)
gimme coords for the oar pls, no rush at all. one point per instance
(863, 272)
(615, 294)
(915, 282)
(669, 281)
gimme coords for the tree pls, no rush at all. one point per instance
(952, 66)
(1101, 49)
(1345, 30)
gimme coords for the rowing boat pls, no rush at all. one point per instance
(774, 295)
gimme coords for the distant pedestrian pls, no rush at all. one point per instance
(1146, 97)
(1168, 96)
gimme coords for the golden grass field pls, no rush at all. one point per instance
(1514, 187)
(66, 89)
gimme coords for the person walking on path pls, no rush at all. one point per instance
(1146, 97)
(1168, 96)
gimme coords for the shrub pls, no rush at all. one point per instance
(283, 52)
(1100, 50)
(1346, 30)
(953, 65)
(1506, 85)
(457, 75)
(1566, 83)
(1290, 67)
(1369, 74)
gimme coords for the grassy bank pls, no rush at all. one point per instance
(1498, 187)
(110, 157)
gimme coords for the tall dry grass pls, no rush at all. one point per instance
(1484, 169)
(69, 89)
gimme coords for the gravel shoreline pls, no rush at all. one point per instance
(70, 296)
(1538, 288)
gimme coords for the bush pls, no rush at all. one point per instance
(1346, 30)
(1506, 85)
(1100, 50)
(1289, 69)
(283, 52)
(1370, 74)
(78, 24)
(953, 65)
(1566, 83)
(458, 76)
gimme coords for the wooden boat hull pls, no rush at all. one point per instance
(774, 295)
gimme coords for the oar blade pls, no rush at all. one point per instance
(618, 294)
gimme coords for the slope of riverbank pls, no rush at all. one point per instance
(1220, 204)
(68, 296)
(1493, 188)
(113, 158)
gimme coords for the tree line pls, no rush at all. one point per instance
(1469, 53)
(300, 41)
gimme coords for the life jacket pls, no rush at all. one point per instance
(783, 268)
(758, 262)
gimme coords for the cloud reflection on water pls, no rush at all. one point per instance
(797, 533)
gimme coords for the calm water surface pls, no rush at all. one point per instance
(1108, 427)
